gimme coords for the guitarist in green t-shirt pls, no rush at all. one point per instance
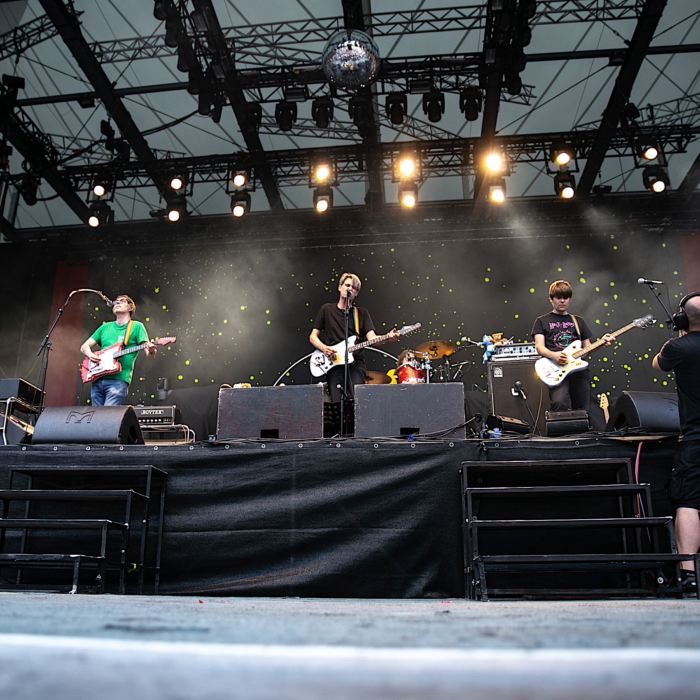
(110, 387)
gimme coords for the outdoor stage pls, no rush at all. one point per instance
(327, 518)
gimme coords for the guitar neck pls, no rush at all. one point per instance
(600, 342)
(368, 343)
(133, 348)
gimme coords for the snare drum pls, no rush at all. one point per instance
(410, 373)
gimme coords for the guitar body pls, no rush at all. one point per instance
(108, 364)
(320, 363)
(553, 374)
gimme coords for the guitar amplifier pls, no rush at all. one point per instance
(514, 351)
(22, 390)
(158, 415)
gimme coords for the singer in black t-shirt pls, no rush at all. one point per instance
(329, 329)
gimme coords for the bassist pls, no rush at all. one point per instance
(113, 390)
(329, 329)
(553, 332)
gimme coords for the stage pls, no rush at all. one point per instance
(327, 518)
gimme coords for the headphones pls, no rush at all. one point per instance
(680, 318)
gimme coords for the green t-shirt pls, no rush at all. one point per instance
(109, 333)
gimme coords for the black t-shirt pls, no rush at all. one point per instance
(331, 324)
(559, 330)
(682, 355)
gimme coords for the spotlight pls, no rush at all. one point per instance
(253, 115)
(177, 209)
(172, 30)
(5, 153)
(162, 9)
(407, 167)
(434, 105)
(649, 151)
(28, 186)
(108, 132)
(470, 102)
(322, 111)
(408, 194)
(285, 115)
(561, 155)
(239, 179)
(396, 107)
(177, 183)
(101, 186)
(513, 83)
(240, 204)
(100, 214)
(322, 172)
(497, 191)
(494, 162)
(323, 199)
(655, 178)
(360, 111)
(565, 185)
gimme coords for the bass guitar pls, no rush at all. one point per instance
(320, 363)
(108, 363)
(553, 374)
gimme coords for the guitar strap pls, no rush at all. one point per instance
(356, 315)
(129, 328)
(578, 330)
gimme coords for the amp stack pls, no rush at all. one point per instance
(515, 391)
(20, 404)
(162, 425)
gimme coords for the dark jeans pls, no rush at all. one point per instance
(335, 377)
(573, 393)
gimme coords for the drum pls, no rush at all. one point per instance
(410, 373)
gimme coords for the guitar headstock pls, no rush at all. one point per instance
(409, 329)
(644, 321)
(603, 401)
(167, 340)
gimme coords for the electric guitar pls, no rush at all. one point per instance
(91, 370)
(320, 363)
(604, 404)
(553, 374)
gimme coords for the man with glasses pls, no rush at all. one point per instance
(112, 390)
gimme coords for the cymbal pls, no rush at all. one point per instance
(372, 377)
(436, 349)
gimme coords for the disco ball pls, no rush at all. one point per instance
(350, 60)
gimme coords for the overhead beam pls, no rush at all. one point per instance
(691, 179)
(69, 29)
(638, 48)
(236, 96)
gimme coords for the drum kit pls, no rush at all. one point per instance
(415, 366)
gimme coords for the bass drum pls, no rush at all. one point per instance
(410, 373)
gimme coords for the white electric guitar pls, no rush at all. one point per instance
(553, 374)
(108, 362)
(320, 363)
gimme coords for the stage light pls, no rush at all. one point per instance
(649, 151)
(434, 105)
(396, 107)
(322, 112)
(240, 204)
(177, 182)
(323, 199)
(5, 153)
(177, 209)
(28, 187)
(322, 172)
(497, 191)
(100, 214)
(655, 178)
(561, 155)
(565, 185)
(470, 102)
(239, 179)
(407, 166)
(253, 115)
(285, 115)
(408, 194)
(360, 111)
(101, 186)
(494, 162)
(162, 9)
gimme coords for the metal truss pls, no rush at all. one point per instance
(441, 158)
(287, 42)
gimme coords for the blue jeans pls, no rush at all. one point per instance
(109, 392)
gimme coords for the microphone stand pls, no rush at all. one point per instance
(45, 347)
(346, 368)
(653, 290)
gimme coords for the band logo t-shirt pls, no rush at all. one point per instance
(559, 330)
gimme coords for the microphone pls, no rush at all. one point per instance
(641, 280)
(106, 299)
(518, 390)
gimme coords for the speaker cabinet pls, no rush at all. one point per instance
(392, 410)
(14, 431)
(650, 410)
(506, 400)
(286, 412)
(88, 425)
